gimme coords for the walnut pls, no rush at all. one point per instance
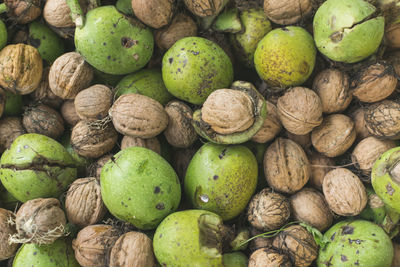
(23, 11)
(303, 140)
(394, 59)
(7, 250)
(309, 205)
(382, 119)
(298, 243)
(93, 141)
(21, 68)
(375, 82)
(39, 221)
(259, 242)
(344, 192)
(69, 114)
(154, 13)
(268, 210)
(286, 166)
(392, 35)
(300, 110)
(268, 257)
(10, 128)
(83, 203)
(69, 74)
(334, 136)
(181, 26)
(288, 11)
(57, 14)
(150, 143)
(43, 93)
(132, 249)
(332, 86)
(179, 132)
(359, 122)
(138, 115)
(44, 120)
(93, 103)
(271, 126)
(93, 245)
(95, 168)
(205, 8)
(320, 165)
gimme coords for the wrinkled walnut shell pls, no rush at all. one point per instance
(300, 110)
(205, 8)
(93, 103)
(43, 93)
(23, 11)
(154, 13)
(150, 143)
(320, 165)
(344, 192)
(69, 75)
(287, 11)
(7, 250)
(268, 257)
(69, 114)
(10, 128)
(382, 119)
(271, 126)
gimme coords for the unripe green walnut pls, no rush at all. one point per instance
(285, 56)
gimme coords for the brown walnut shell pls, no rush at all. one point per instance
(344, 192)
(287, 11)
(93, 103)
(21, 68)
(150, 143)
(320, 165)
(39, 221)
(7, 250)
(43, 93)
(309, 206)
(154, 13)
(181, 159)
(23, 11)
(228, 111)
(396, 255)
(334, 136)
(93, 245)
(271, 126)
(298, 243)
(83, 203)
(375, 83)
(268, 257)
(205, 8)
(359, 122)
(10, 128)
(286, 166)
(181, 26)
(138, 115)
(382, 119)
(259, 242)
(332, 86)
(179, 132)
(268, 210)
(303, 140)
(44, 120)
(93, 141)
(69, 75)
(95, 168)
(69, 114)
(132, 249)
(392, 35)
(57, 14)
(300, 110)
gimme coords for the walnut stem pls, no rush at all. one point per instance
(77, 15)
(3, 8)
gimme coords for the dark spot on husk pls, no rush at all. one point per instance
(108, 57)
(104, 44)
(357, 251)
(160, 206)
(157, 190)
(170, 60)
(285, 29)
(34, 253)
(357, 263)
(34, 42)
(390, 189)
(343, 258)
(215, 177)
(347, 230)
(333, 236)
(336, 37)
(222, 154)
(127, 42)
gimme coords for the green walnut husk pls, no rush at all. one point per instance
(81, 162)
(3, 35)
(8, 201)
(36, 166)
(146, 82)
(194, 67)
(356, 243)
(112, 42)
(125, 6)
(235, 259)
(190, 238)
(260, 112)
(228, 21)
(148, 187)
(347, 30)
(226, 185)
(59, 253)
(13, 105)
(105, 78)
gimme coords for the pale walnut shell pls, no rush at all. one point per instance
(150, 143)
(271, 126)
(10, 128)
(43, 93)
(368, 150)
(93, 141)
(287, 11)
(269, 258)
(303, 140)
(375, 83)
(23, 11)
(392, 35)
(286, 166)
(93, 245)
(344, 192)
(309, 206)
(300, 110)
(40, 221)
(382, 119)
(228, 111)
(332, 86)
(204, 8)
(259, 242)
(181, 26)
(268, 210)
(154, 13)
(320, 165)
(69, 114)
(93, 103)
(138, 115)
(21, 68)
(179, 132)
(83, 203)
(334, 136)
(69, 75)
(58, 14)
(7, 250)
(298, 243)
(132, 249)
(359, 122)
